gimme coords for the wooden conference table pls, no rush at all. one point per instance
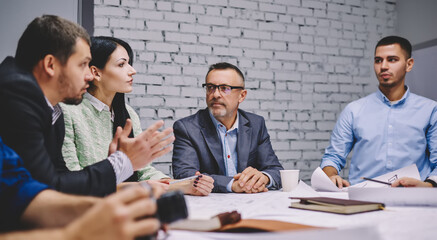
(395, 223)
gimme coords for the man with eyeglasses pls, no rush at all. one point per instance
(227, 143)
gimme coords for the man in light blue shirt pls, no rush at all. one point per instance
(389, 129)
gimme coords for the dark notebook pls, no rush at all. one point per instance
(335, 205)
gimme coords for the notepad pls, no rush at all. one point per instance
(335, 205)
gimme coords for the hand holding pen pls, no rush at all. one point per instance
(382, 182)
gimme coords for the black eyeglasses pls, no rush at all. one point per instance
(225, 89)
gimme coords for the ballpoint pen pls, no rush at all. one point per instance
(374, 180)
(184, 179)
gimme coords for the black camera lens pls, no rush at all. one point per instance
(171, 207)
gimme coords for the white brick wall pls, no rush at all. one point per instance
(304, 61)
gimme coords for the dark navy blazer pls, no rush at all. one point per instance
(26, 127)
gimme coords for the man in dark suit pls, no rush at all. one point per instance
(50, 66)
(229, 144)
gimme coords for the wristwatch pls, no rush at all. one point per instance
(432, 180)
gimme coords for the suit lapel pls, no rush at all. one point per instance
(243, 142)
(212, 139)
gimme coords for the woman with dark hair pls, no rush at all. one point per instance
(91, 125)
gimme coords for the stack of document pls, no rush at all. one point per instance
(373, 191)
(396, 196)
(321, 182)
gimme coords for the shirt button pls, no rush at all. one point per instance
(229, 156)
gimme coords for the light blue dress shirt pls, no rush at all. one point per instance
(385, 136)
(229, 139)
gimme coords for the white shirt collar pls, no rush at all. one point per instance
(98, 105)
(48, 103)
(56, 110)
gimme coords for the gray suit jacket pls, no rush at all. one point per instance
(198, 148)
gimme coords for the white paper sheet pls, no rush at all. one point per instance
(321, 182)
(400, 223)
(269, 203)
(396, 196)
(357, 233)
(408, 171)
(303, 190)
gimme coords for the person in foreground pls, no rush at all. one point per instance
(90, 125)
(227, 143)
(26, 203)
(51, 66)
(389, 129)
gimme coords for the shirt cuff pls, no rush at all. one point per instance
(432, 178)
(272, 182)
(327, 162)
(229, 186)
(122, 166)
(24, 195)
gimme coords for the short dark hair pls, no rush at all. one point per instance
(404, 43)
(222, 66)
(45, 35)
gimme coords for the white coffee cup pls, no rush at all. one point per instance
(289, 179)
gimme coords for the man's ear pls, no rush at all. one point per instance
(410, 63)
(50, 65)
(96, 73)
(243, 94)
